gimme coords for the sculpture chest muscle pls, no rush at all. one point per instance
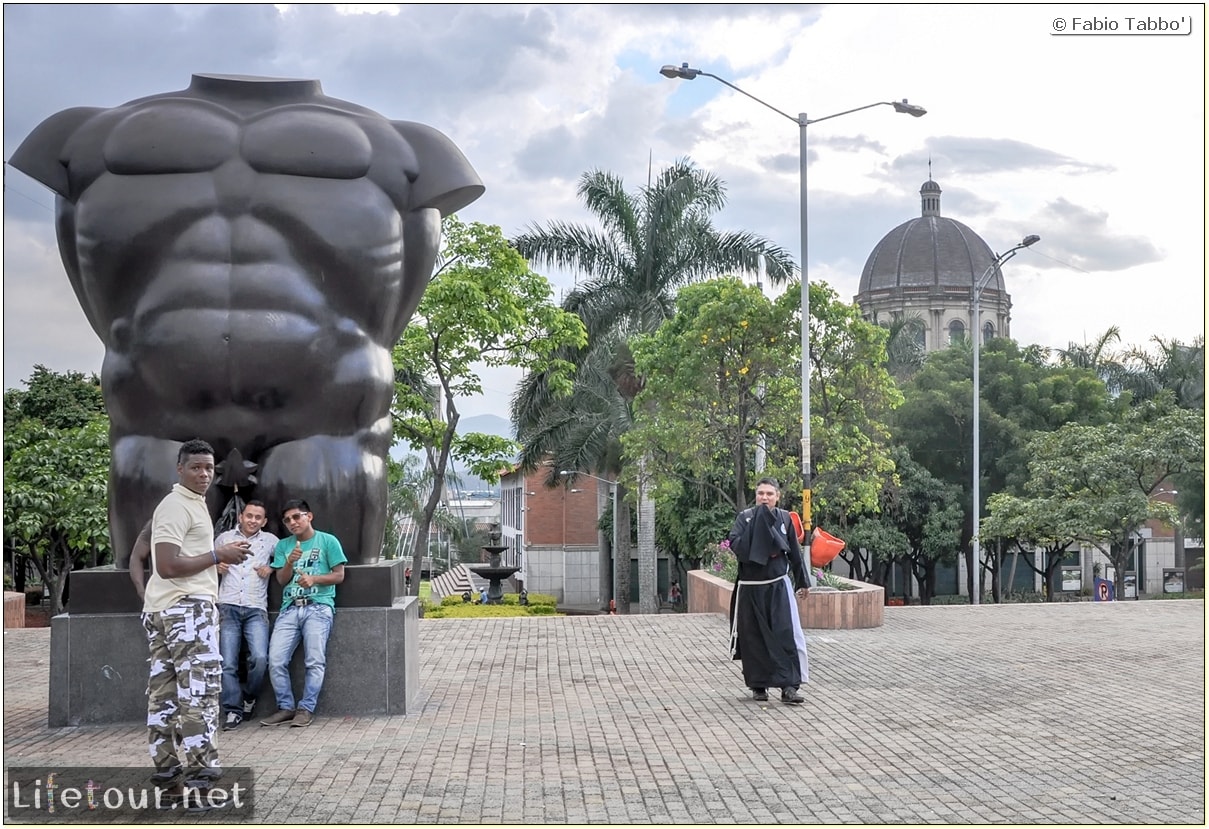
(231, 275)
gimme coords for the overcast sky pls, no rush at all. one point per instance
(1094, 142)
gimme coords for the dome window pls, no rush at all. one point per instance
(957, 332)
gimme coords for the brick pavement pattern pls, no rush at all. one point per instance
(1064, 713)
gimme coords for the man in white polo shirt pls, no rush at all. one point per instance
(243, 612)
(180, 615)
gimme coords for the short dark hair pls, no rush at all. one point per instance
(296, 503)
(772, 482)
(197, 446)
(255, 503)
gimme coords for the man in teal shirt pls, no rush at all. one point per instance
(310, 564)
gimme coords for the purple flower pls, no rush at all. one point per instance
(725, 545)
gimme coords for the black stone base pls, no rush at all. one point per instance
(98, 665)
(106, 590)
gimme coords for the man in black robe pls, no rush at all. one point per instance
(766, 631)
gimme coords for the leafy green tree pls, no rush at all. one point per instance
(719, 377)
(1022, 395)
(1109, 473)
(1050, 525)
(55, 509)
(648, 244)
(60, 401)
(918, 523)
(483, 306)
(852, 398)
(56, 471)
(689, 518)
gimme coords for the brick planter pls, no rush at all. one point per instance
(14, 609)
(823, 610)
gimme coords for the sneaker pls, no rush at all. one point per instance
(279, 717)
(759, 694)
(790, 696)
(232, 721)
(249, 707)
(302, 719)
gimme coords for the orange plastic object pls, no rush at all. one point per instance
(797, 525)
(824, 547)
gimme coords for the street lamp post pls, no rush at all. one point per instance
(685, 72)
(616, 546)
(976, 335)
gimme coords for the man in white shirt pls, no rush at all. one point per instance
(180, 617)
(243, 611)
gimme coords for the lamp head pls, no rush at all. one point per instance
(681, 71)
(1030, 240)
(910, 109)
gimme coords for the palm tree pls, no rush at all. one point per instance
(1176, 367)
(905, 351)
(1096, 356)
(649, 244)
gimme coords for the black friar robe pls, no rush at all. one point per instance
(766, 631)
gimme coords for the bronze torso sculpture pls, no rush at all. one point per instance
(249, 250)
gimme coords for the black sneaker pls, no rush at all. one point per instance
(249, 708)
(232, 721)
(759, 694)
(790, 696)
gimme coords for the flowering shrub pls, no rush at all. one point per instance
(718, 560)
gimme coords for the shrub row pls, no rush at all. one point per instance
(485, 611)
(510, 600)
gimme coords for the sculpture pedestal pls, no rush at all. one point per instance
(98, 658)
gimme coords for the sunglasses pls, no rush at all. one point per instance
(290, 519)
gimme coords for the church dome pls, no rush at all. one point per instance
(929, 252)
(926, 268)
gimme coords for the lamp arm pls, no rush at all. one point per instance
(757, 100)
(848, 112)
(998, 263)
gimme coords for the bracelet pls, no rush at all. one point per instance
(215, 554)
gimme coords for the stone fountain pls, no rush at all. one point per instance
(493, 571)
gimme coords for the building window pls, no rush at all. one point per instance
(957, 332)
(988, 332)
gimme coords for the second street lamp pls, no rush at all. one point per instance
(976, 339)
(685, 72)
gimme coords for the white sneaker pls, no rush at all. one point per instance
(232, 721)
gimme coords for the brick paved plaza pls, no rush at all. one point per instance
(1066, 713)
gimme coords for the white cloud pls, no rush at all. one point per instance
(1095, 143)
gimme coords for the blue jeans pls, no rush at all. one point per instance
(312, 624)
(237, 624)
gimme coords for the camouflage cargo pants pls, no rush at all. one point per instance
(184, 686)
